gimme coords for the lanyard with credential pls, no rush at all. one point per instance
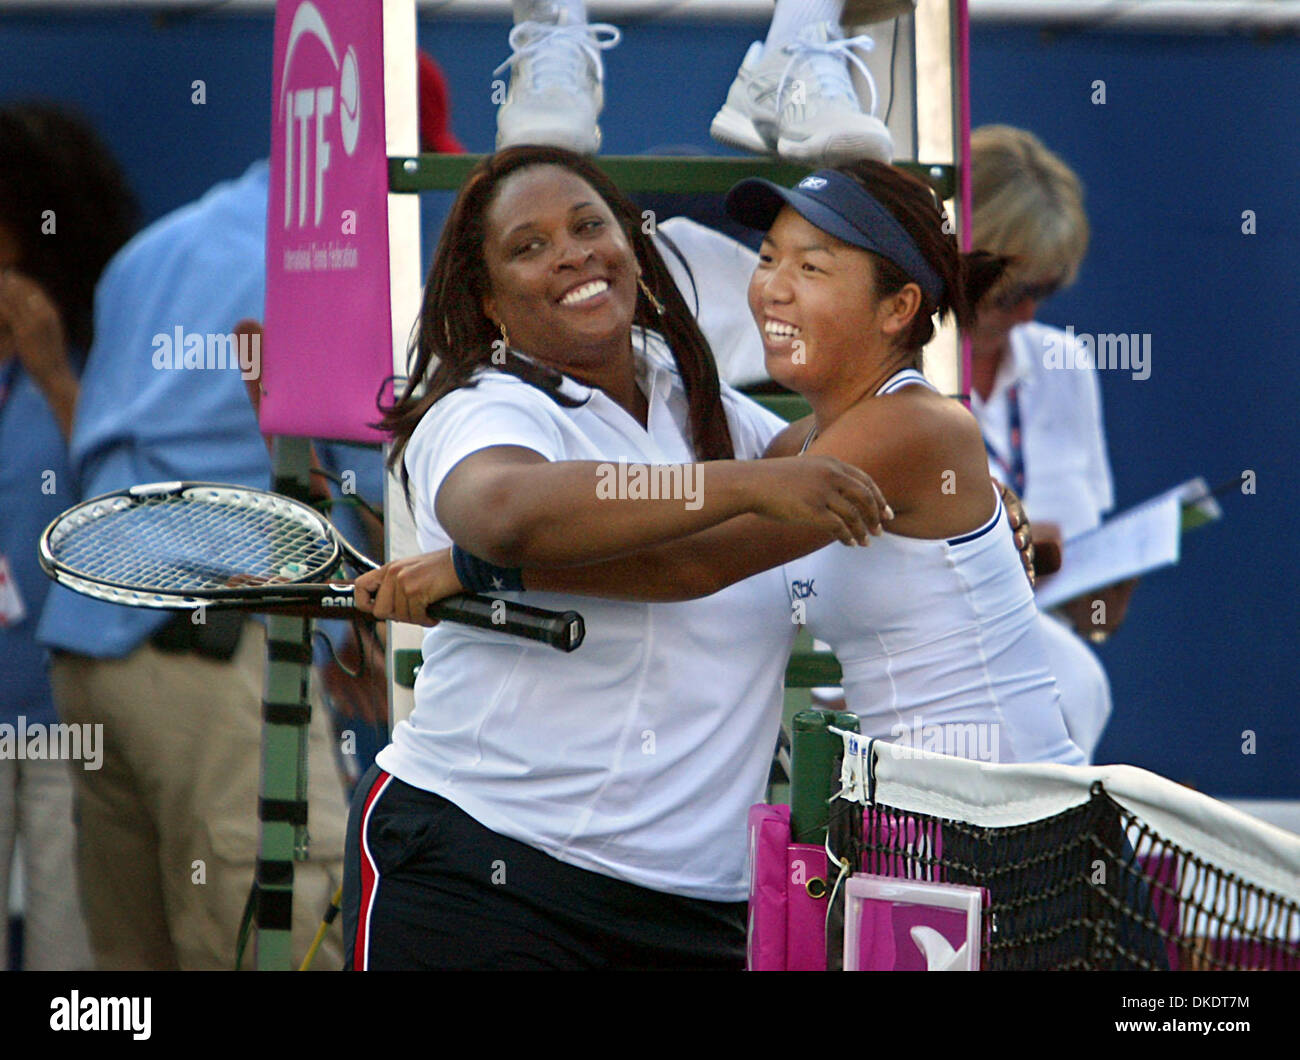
(1015, 470)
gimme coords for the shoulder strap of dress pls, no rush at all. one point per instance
(907, 377)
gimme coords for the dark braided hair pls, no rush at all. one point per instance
(56, 173)
(454, 338)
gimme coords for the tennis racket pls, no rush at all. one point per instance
(186, 545)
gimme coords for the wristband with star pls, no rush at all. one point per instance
(480, 576)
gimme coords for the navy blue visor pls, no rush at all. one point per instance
(839, 206)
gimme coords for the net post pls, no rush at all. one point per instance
(812, 757)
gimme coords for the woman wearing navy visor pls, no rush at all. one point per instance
(935, 624)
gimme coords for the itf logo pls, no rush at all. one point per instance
(310, 95)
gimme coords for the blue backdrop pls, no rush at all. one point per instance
(1194, 131)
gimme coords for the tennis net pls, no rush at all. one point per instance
(1083, 868)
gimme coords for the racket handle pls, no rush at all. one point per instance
(564, 630)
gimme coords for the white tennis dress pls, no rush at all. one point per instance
(938, 638)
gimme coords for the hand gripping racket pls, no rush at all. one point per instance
(185, 545)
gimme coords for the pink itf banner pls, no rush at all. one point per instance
(328, 344)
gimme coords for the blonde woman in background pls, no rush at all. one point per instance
(1039, 409)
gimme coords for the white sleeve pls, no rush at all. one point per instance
(1101, 485)
(1067, 471)
(1079, 490)
(720, 268)
(495, 412)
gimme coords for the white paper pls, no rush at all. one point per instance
(1141, 539)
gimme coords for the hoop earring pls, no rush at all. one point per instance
(645, 290)
(505, 336)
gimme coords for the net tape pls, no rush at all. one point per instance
(193, 541)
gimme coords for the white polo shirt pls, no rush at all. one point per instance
(1063, 440)
(638, 755)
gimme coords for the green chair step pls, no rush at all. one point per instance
(789, 407)
(687, 174)
(812, 669)
(406, 664)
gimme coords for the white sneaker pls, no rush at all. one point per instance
(748, 119)
(799, 101)
(556, 84)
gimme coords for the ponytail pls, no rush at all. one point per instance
(967, 278)
(980, 273)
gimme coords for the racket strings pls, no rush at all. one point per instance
(184, 544)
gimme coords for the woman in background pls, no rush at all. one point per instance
(65, 209)
(1042, 424)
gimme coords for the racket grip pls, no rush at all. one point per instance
(564, 630)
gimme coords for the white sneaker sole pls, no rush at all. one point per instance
(585, 143)
(735, 130)
(839, 148)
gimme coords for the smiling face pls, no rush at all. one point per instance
(562, 274)
(812, 299)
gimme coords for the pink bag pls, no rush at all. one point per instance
(787, 896)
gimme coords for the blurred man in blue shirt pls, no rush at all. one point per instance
(168, 827)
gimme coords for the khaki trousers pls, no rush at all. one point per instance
(167, 828)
